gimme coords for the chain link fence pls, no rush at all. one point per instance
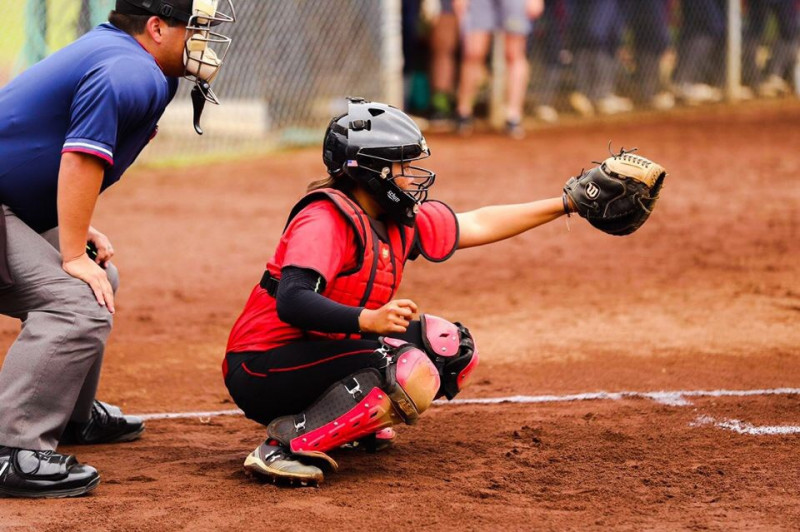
(291, 64)
(293, 61)
(611, 56)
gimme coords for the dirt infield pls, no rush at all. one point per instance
(705, 297)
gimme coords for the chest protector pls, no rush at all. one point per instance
(374, 279)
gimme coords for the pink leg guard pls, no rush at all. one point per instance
(362, 404)
(453, 351)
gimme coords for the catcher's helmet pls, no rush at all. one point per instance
(364, 143)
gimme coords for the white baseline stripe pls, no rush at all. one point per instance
(674, 398)
(742, 427)
(184, 415)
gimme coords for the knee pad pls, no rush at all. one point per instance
(452, 350)
(412, 381)
(362, 404)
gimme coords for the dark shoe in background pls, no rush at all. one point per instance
(465, 125)
(107, 425)
(514, 129)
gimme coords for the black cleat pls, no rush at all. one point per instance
(44, 474)
(107, 425)
(465, 125)
(514, 129)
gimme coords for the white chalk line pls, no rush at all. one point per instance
(742, 427)
(673, 398)
(189, 415)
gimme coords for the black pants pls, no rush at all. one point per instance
(288, 379)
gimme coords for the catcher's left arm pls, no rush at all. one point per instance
(617, 197)
(497, 222)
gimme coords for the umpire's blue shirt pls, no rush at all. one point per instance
(101, 95)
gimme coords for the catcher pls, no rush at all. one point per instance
(324, 354)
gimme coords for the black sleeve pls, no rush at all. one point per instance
(300, 304)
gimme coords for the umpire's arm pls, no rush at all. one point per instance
(79, 180)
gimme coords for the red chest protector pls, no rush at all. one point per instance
(374, 279)
(372, 276)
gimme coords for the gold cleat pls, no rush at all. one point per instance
(278, 464)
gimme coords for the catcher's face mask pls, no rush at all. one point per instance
(392, 164)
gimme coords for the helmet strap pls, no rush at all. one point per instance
(200, 95)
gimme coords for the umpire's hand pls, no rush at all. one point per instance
(102, 245)
(91, 273)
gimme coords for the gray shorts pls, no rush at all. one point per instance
(491, 15)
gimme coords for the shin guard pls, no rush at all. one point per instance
(362, 404)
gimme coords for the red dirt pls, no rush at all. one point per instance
(705, 296)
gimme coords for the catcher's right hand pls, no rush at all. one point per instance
(617, 196)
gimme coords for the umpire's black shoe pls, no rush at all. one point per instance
(107, 425)
(44, 474)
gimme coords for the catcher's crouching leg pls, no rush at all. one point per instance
(362, 404)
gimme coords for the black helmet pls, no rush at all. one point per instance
(201, 13)
(365, 142)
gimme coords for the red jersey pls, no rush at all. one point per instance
(331, 235)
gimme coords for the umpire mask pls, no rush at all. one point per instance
(204, 49)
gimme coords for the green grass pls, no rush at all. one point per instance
(167, 156)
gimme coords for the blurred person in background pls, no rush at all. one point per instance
(596, 34)
(416, 87)
(444, 42)
(649, 24)
(548, 44)
(479, 19)
(698, 69)
(770, 82)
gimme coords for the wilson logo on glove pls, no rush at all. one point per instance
(592, 191)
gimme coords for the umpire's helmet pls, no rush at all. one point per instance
(178, 9)
(364, 143)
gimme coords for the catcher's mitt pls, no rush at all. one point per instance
(617, 196)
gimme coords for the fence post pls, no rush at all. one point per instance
(392, 54)
(498, 82)
(734, 66)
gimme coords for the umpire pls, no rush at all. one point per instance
(69, 128)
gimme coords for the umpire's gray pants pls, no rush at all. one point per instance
(51, 372)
